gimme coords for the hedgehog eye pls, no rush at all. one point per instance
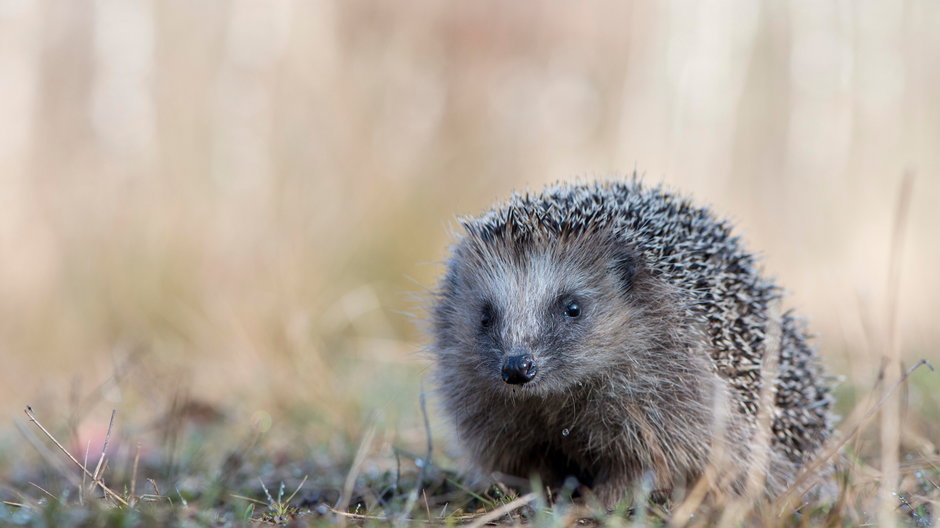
(573, 310)
(486, 316)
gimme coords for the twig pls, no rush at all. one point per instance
(890, 421)
(502, 510)
(759, 454)
(364, 446)
(770, 371)
(134, 474)
(40, 488)
(156, 489)
(358, 516)
(104, 448)
(367, 517)
(427, 507)
(101, 484)
(425, 463)
(47, 454)
(718, 463)
(81, 489)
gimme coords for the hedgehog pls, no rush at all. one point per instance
(609, 334)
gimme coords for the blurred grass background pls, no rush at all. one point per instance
(246, 197)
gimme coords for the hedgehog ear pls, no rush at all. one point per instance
(625, 264)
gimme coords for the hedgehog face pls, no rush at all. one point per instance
(535, 317)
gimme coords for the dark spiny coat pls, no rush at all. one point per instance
(663, 347)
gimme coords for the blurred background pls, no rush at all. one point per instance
(245, 202)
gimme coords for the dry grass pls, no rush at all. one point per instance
(213, 479)
(213, 217)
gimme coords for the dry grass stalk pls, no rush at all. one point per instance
(81, 489)
(857, 420)
(364, 446)
(133, 495)
(40, 488)
(753, 497)
(425, 463)
(104, 447)
(711, 478)
(99, 482)
(427, 506)
(890, 413)
(505, 509)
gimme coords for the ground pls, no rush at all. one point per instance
(199, 464)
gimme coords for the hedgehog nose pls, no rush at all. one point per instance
(519, 369)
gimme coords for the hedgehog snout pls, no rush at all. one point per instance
(519, 369)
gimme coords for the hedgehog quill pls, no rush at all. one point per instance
(609, 332)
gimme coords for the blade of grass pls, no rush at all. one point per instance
(890, 413)
(364, 446)
(104, 447)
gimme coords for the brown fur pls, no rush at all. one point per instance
(638, 383)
